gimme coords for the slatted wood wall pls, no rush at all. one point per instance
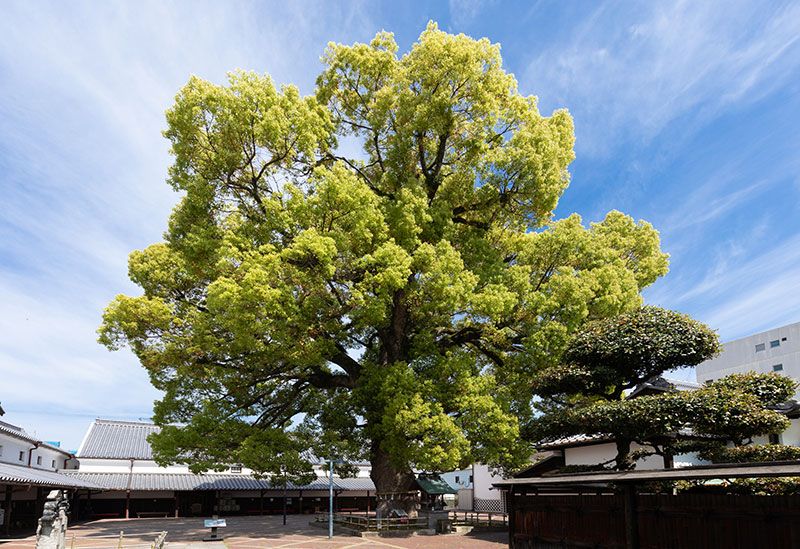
(685, 521)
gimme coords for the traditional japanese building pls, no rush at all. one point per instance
(116, 456)
(29, 469)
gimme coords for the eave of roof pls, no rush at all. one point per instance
(18, 475)
(702, 472)
(229, 482)
(435, 486)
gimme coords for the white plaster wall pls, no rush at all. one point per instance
(483, 477)
(12, 447)
(48, 456)
(740, 355)
(791, 436)
(363, 471)
(94, 465)
(148, 466)
(601, 453)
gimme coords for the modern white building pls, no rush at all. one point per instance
(776, 350)
(773, 351)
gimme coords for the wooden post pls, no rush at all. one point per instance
(512, 524)
(367, 501)
(39, 503)
(261, 502)
(76, 511)
(7, 521)
(300, 501)
(631, 518)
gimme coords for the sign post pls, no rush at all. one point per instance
(214, 523)
(330, 502)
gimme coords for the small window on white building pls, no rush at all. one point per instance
(761, 347)
(470, 478)
(22, 456)
(1, 449)
(774, 439)
(236, 468)
(777, 368)
(775, 343)
(53, 464)
(38, 460)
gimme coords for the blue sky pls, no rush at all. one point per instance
(686, 115)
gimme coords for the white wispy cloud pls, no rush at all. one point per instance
(627, 70)
(83, 89)
(741, 291)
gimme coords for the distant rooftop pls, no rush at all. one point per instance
(117, 440)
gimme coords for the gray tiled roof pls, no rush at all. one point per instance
(15, 474)
(16, 432)
(185, 481)
(20, 433)
(117, 439)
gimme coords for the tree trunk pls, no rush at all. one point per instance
(394, 489)
(624, 461)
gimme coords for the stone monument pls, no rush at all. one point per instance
(52, 530)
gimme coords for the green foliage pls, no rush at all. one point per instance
(675, 422)
(718, 453)
(768, 486)
(401, 299)
(769, 389)
(608, 356)
(611, 355)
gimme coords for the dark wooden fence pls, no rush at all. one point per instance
(649, 521)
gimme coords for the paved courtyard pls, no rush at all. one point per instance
(246, 532)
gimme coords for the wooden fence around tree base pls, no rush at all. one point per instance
(649, 521)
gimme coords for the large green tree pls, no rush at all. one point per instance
(397, 299)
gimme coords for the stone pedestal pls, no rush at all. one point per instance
(437, 520)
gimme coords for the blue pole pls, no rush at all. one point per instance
(330, 502)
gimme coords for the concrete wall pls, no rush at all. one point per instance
(780, 346)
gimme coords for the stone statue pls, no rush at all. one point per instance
(52, 530)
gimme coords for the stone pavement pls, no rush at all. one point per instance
(246, 533)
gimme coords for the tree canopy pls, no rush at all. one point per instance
(585, 395)
(395, 300)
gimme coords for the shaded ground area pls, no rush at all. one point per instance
(246, 532)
